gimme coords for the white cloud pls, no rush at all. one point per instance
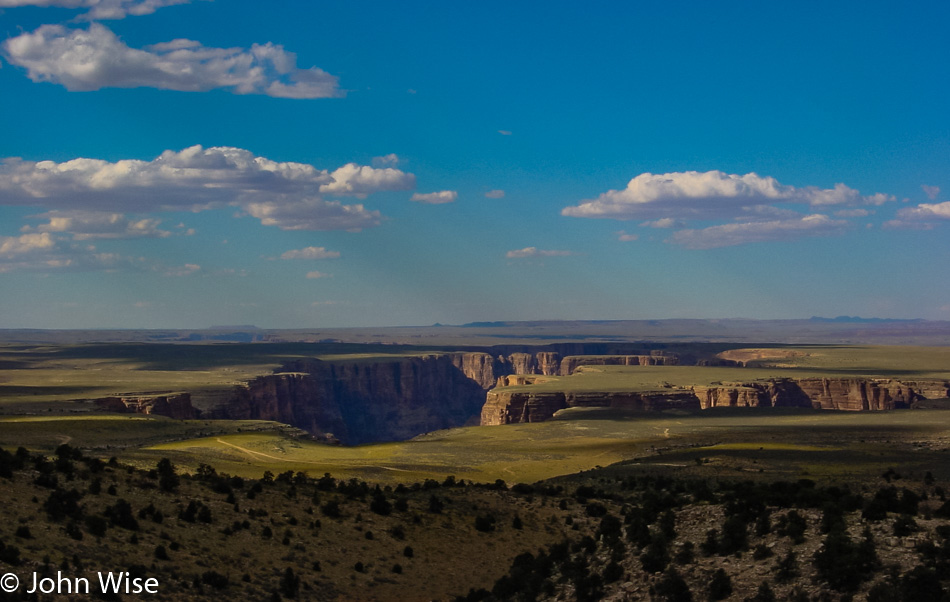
(41, 251)
(495, 194)
(101, 9)
(186, 270)
(666, 222)
(710, 195)
(315, 274)
(932, 192)
(310, 253)
(89, 225)
(361, 180)
(390, 160)
(624, 237)
(436, 198)
(922, 217)
(314, 214)
(282, 194)
(759, 231)
(528, 252)
(852, 213)
(504, 132)
(94, 58)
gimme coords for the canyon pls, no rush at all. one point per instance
(392, 398)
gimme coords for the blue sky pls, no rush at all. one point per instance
(176, 163)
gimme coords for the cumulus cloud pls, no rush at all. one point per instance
(314, 275)
(390, 160)
(504, 132)
(95, 58)
(41, 251)
(922, 217)
(436, 198)
(282, 194)
(726, 235)
(101, 9)
(495, 194)
(310, 253)
(88, 225)
(529, 252)
(623, 236)
(362, 180)
(932, 192)
(709, 195)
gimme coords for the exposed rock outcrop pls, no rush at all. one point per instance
(363, 401)
(479, 367)
(176, 405)
(858, 394)
(507, 407)
(513, 400)
(772, 393)
(570, 364)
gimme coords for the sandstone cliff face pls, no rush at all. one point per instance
(176, 405)
(508, 407)
(479, 367)
(505, 406)
(774, 393)
(363, 401)
(858, 394)
(570, 364)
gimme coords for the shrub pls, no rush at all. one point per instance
(214, 579)
(485, 523)
(289, 584)
(904, 525)
(672, 588)
(331, 509)
(720, 586)
(167, 479)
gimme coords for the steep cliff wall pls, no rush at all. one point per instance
(176, 405)
(774, 393)
(508, 407)
(859, 394)
(479, 367)
(365, 401)
(571, 363)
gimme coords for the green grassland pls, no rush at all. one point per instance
(723, 443)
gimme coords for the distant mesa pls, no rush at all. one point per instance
(859, 320)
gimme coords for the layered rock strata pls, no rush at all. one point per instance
(366, 401)
(517, 403)
(177, 405)
(508, 407)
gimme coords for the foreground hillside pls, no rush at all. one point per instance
(621, 533)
